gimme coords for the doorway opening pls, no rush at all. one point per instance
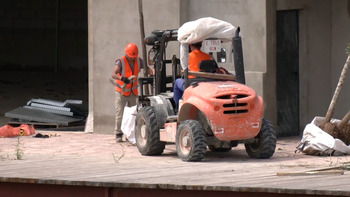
(287, 47)
(43, 52)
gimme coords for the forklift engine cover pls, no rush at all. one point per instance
(233, 110)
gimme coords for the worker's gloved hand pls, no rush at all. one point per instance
(125, 80)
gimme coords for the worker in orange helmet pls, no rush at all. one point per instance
(126, 73)
(196, 56)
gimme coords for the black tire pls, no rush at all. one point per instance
(265, 144)
(191, 142)
(213, 149)
(147, 132)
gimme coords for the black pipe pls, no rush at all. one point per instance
(57, 36)
(187, 81)
(238, 57)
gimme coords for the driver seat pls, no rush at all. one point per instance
(209, 66)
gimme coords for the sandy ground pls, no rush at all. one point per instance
(96, 159)
(76, 145)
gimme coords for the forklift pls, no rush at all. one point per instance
(218, 111)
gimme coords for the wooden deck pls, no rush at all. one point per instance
(92, 162)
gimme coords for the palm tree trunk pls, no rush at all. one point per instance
(331, 108)
(344, 121)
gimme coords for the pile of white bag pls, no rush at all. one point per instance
(315, 141)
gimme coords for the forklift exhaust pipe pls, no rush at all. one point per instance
(238, 57)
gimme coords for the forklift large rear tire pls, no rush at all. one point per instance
(265, 142)
(191, 142)
(147, 132)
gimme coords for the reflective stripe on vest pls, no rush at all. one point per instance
(127, 71)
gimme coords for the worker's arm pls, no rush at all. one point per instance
(116, 71)
(115, 75)
(144, 66)
(150, 71)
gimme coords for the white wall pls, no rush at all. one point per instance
(112, 25)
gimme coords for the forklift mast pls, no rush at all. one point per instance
(238, 57)
(160, 66)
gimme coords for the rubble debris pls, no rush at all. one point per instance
(49, 112)
(39, 135)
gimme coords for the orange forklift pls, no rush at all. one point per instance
(218, 111)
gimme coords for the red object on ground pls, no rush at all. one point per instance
(23, 129)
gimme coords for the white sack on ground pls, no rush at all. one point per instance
(128, 123)
(315, 141)
(201, 29)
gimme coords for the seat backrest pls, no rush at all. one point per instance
(208, 66)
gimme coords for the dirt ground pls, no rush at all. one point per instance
(343, 134)
(19, 86)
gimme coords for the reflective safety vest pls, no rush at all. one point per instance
(196, 57)
(127, 72)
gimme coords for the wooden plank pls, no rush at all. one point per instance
(212, 75)
(325, 172)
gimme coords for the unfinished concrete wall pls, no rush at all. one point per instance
(323, 36)
(324, 33)
(112, 25)
(316, 66)
(107, 42)
(314, 55)
(340, 39)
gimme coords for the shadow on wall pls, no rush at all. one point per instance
(349, 8)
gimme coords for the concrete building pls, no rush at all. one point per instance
(294, 50)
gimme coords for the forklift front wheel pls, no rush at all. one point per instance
(265, 143)
(147, 132)
(191, 143)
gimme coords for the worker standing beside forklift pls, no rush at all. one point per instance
(125, 73)
(195, 57)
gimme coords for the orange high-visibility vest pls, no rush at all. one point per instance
(127, 72)
(196, 57)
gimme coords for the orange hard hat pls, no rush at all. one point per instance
(131, 50)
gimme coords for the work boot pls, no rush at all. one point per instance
(119, 138)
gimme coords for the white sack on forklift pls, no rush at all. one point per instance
(201, 29)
